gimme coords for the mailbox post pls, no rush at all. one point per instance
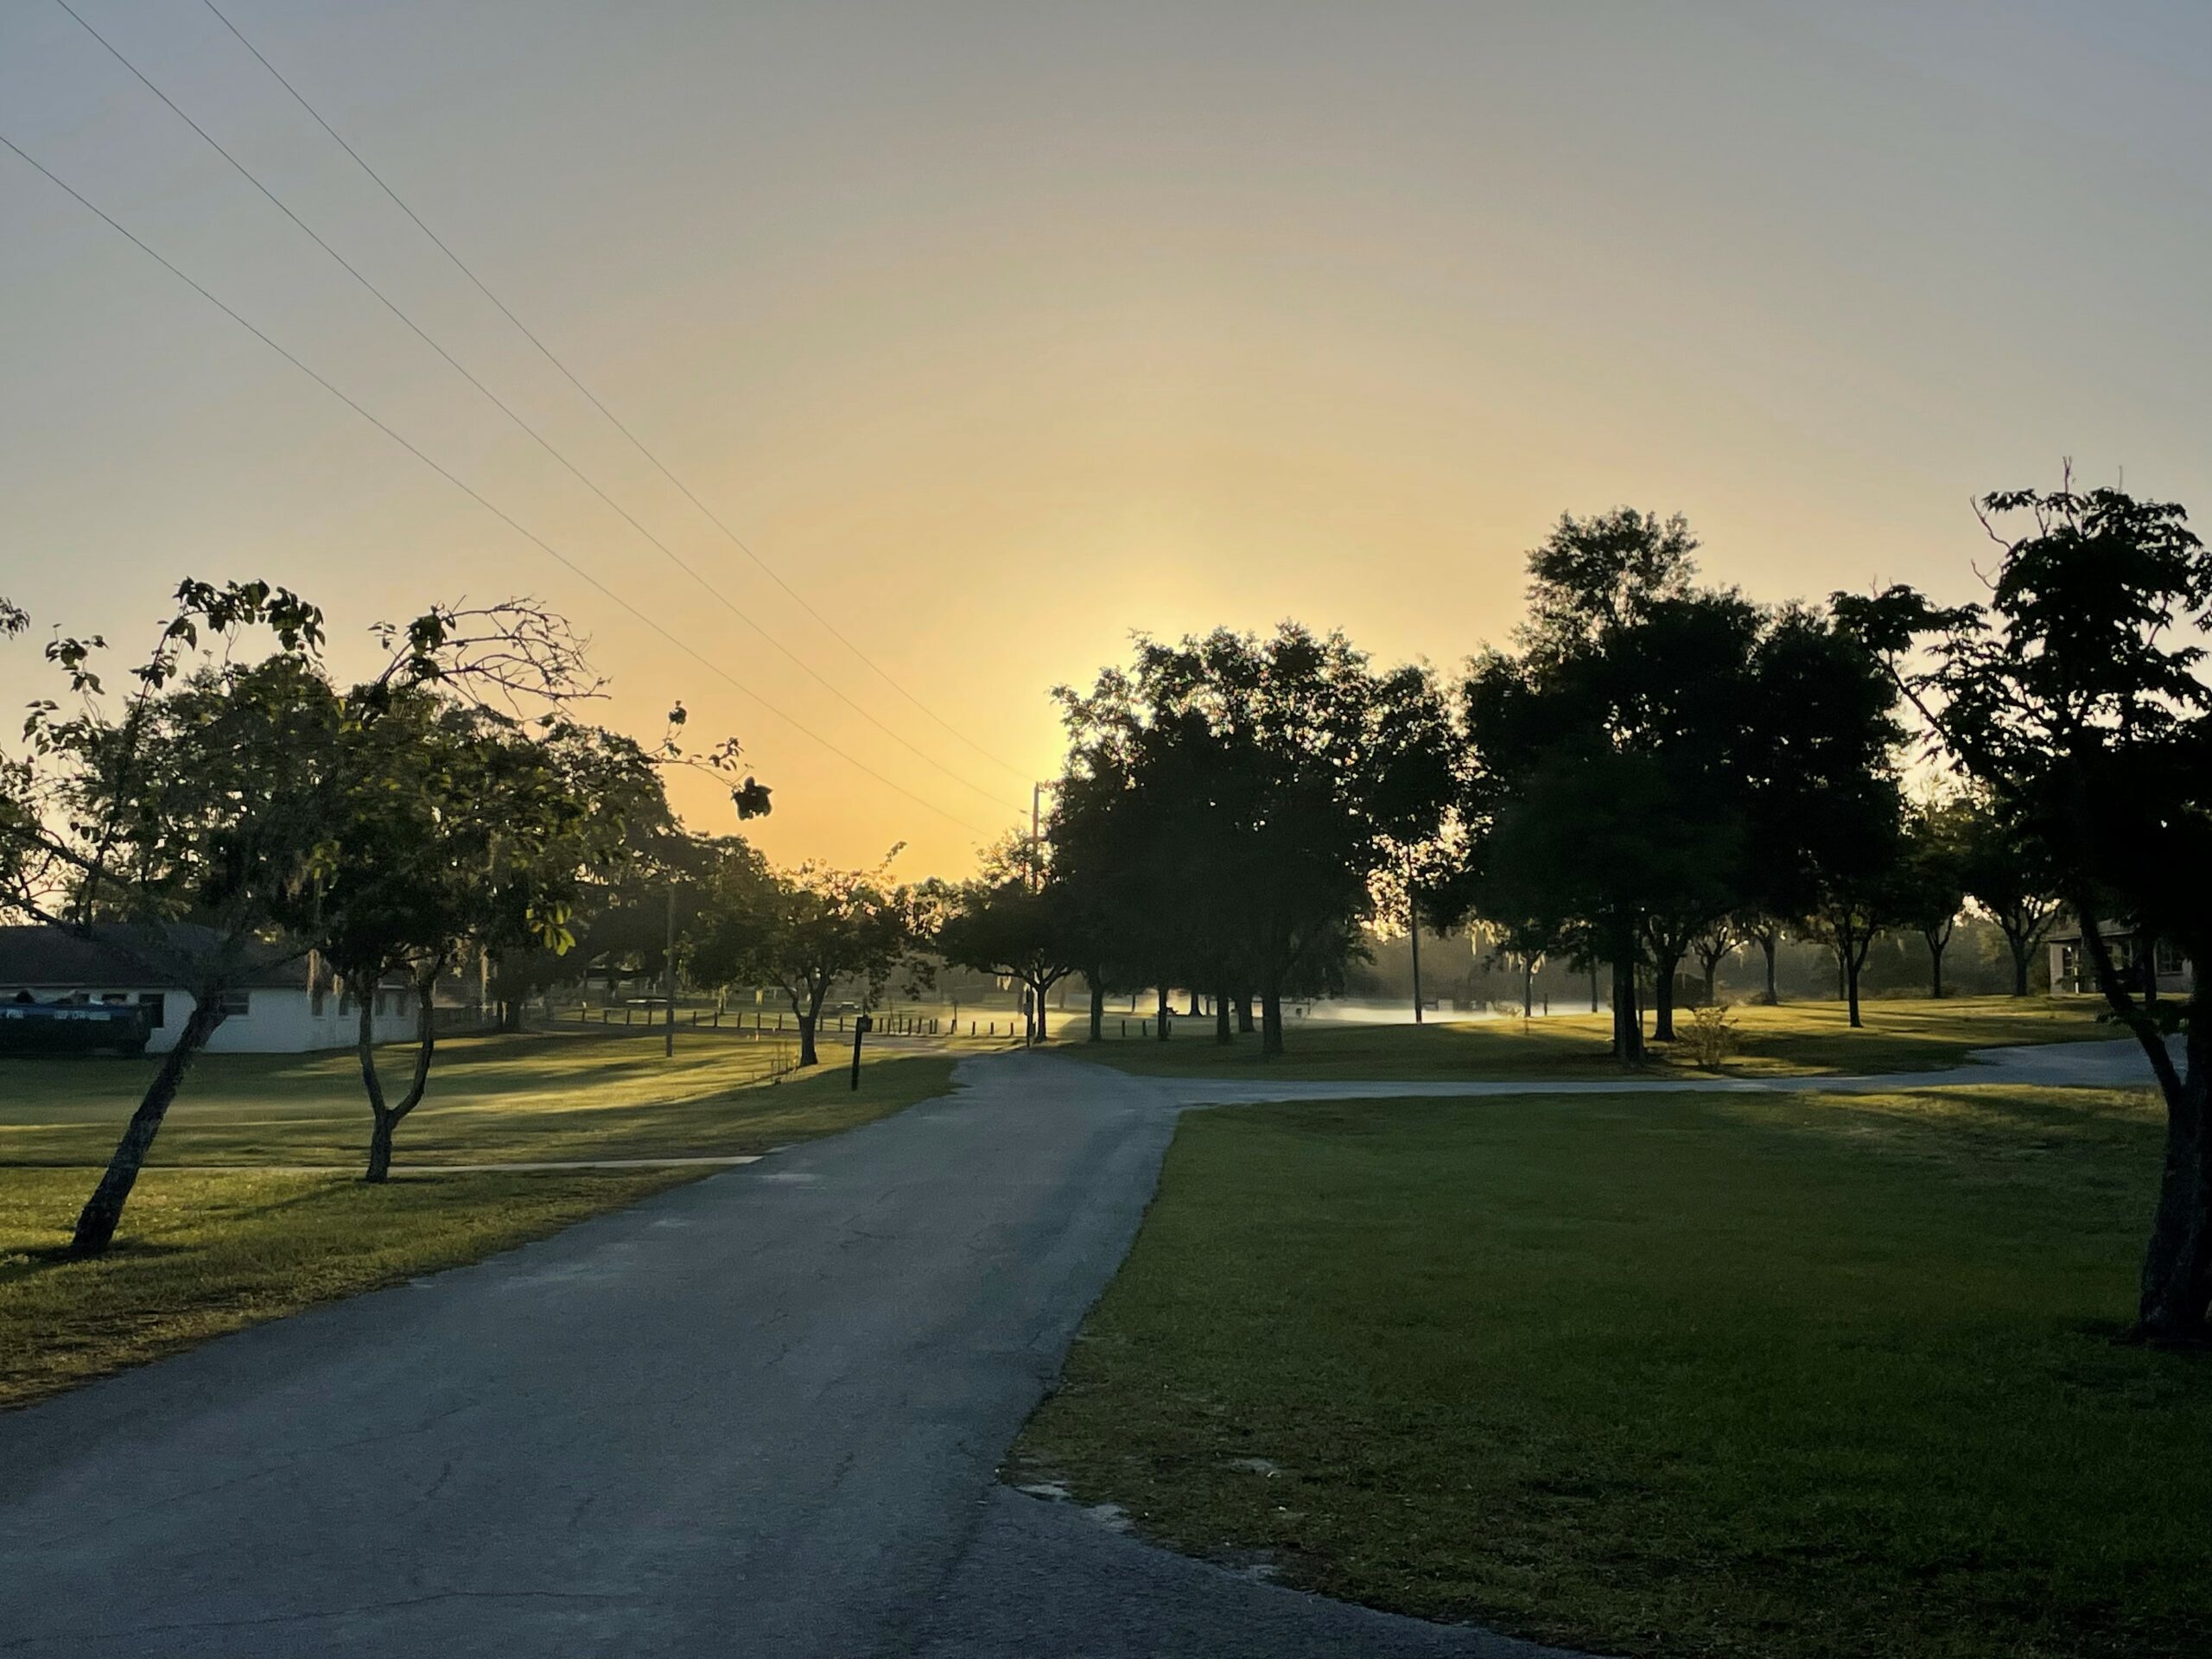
(862, 1027)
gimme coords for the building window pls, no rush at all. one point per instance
(315, 1001)
(2170, 957)
(237, 1005)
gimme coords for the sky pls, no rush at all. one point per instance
(1003, 331)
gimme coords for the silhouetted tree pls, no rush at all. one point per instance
(803, 931)
(1269, 779)
(2075, 698)
(1931, 884)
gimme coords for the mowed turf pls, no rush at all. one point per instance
(1797, 1038)
(1665, 1375)
(207, 1251)
(564, 1094)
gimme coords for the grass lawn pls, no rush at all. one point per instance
(1779, 1376)
(1797, 1038)
(205, 1250)
(573, 1092)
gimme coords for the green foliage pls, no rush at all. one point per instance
(1712, 1035)
(804, 930)
(1657, 756)
(1228, 801)
(2076, 703)
(1016, 927)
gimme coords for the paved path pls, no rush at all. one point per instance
(758, 1415)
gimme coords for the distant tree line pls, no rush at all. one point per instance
(1658, 772)
(1654, 773)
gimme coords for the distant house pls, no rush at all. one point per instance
(283, 1003)
(2070, 969)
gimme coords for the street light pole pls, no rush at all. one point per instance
(1413, 924)
(668, 976)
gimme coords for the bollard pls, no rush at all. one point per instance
(860, 1030)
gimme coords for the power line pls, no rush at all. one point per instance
(470, 491)
(499, 403)
(614, 420)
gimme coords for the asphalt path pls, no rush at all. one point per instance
(757, 1414)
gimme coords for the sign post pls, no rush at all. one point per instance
(862, 1027)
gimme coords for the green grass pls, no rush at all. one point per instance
(203, 1251)
(206, 1252)
(1778, 1377)
(575, 1092)
(1798, 1038)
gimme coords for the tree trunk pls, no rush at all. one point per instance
(2176, 1291)
(1628, 1021)
(1036, 1012)
(2176, 1285)
(103, 1211)
(1935, 947)
(1663, 997)
(1270, 1016)
(1527, 987)
(1246, 1025)
(1196, 1011)
(1852, 959)
(1593, 984)
(1222, 1035)
(1712, 977)
(1097, 1013)
(2017, 942)
(384, 1119)
(381, 1120)
(1773, 989)
(1165, 1015)
(806, 1054)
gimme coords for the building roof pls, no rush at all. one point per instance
(115, 956)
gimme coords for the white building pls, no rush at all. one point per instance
(283, 1003)
(2071, 970)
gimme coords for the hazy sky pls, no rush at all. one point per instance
(1004, 330)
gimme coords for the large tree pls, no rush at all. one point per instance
(1019, 928)
(1825, 804)
(2076, 698)
(190, 819)
(1931, 889)
(1279, 775)
(2005, 869)
(1656, 757)
(1604, 757)
(804, 930)
(456, 828)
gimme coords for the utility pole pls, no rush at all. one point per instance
(668, 976)
(1413, 924)
(1036, 860)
